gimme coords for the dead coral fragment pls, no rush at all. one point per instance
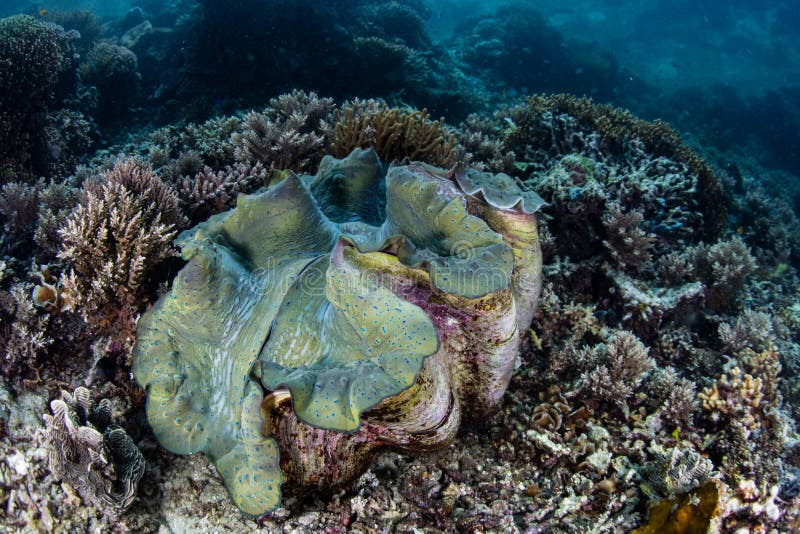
(395, 134)
(92, 454)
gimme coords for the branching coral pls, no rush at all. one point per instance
(742, 407)
(91, 453)
(383, 323)
(628, 244)
(482, 140)
(212, 140)
(395, 134)
(121, 229)
(724, 267)
(23, 331)
(673, 398)
(31, 214)
(752, 330)
(620, 365)
(290, 134)
(208, 192)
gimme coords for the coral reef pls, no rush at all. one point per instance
(408, 324)
(112, 70)
(90, 452)
(395, 134)
(290, 134)
(23, 331)
(38, 73)
(122, 227)
(617, 369)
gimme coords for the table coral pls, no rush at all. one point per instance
(383, 321)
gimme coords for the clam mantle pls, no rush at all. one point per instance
(327, 316)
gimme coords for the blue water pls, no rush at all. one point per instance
(725, 71)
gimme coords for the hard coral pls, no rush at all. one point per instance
(91, 453)
(395, 134)
(121, 230)
(37, 59)
(23, 331)
(620, 366)
(289, 134)
(551, 125)
(382, 322)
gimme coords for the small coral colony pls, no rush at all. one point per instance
(297, 291)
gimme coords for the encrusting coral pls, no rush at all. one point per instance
(384, 322)
(91, 453)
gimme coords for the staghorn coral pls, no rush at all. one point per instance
(620, 365)
(481, 138)
(724, 267)
(90, 452)
(673, 398)
(752, 330)
(121, 229)
(406, 324)
(288, 135)
(208, 192)
(395, 134)
(212, 140)
(24, 336)
(628, 244)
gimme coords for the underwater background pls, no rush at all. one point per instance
(653, 144)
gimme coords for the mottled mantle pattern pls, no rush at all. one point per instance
(330, 315)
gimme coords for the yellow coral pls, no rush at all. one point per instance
(394, 133)
(692, 513)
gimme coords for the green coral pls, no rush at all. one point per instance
(285, 292)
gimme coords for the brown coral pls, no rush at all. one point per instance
(23, 331)
(209, 192)
(621, 365)
(122, 228)
(724, 267)
(628, 244)
(395, 134)
(290, 134)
